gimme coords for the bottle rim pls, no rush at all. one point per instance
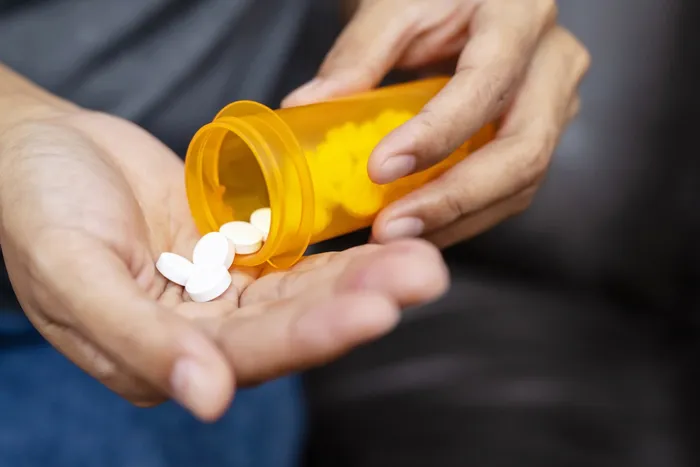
(230, 119)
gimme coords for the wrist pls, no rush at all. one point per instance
(29, 115)
(30, 109)
(21, 101)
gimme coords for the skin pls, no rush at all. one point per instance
(87, 203)
(511, 64)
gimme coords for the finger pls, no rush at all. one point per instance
(295, 334)
(363, 54)
(481, 221)
(156, 345)
(504, 37)
(508, 165)
(410, 272)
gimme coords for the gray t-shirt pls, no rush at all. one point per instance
(168, 65)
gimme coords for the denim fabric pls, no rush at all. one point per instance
(54, 415)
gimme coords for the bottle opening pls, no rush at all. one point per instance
(243, 185)
(238, 164)
(225, 182)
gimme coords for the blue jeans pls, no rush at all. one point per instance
(54, 415)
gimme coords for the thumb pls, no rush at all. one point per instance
(368, 48)
(111, 310)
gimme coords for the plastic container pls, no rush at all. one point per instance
(308, 164)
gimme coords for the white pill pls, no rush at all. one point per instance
(261, 219)
(214, 249)
(207, 282)
(174, 267)
(246, 238)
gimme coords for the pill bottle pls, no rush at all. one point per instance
(307, 164)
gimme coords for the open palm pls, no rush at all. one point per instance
(88, 201)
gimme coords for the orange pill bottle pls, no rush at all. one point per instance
(307, 164)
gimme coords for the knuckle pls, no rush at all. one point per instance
(431, 138)
(542, 147)
(574, 49)
(523, 201)
(574, 108)
(584, 58)
(536, 155)
(549, 11)
(103, 368)
(494, 91)
(455, 203)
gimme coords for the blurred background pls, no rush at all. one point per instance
(569, 337)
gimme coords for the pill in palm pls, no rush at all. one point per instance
(214, 249)
(208, 282)
(261, 219)
(246, 238)
(174, 267)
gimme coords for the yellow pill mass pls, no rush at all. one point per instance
(343, 187)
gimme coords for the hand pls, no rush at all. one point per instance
(88, 201)
(513, 65)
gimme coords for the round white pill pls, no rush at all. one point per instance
(207, 283)
(174, 267)
(261, 219)
(246, 238)
(214, 249)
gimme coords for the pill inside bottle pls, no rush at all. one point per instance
(245, 237)
(307, 166)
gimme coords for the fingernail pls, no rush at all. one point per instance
(396, 167)
(304, 94)
(402, 228)
(191, 385)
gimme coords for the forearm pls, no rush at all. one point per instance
(22, 100)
